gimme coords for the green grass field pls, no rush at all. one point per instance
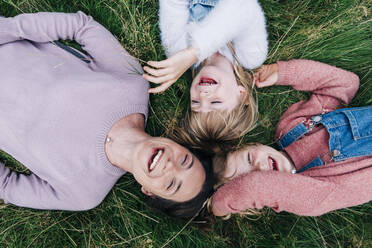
(337, 32)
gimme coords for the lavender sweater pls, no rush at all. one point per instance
(56, 109)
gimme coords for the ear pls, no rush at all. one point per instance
(242, 92)
(146, 192)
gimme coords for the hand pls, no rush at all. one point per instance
(216, 212)
(167, 71)
(266, 76)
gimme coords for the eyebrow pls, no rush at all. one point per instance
(192, 162)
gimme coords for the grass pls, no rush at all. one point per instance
(338, 32)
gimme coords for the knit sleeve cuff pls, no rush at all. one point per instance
(284, 72)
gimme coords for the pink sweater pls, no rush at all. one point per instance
(318, 190)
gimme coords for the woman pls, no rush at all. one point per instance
(80, 126)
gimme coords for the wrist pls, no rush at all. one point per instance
(193, 52)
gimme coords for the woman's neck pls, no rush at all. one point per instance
(122, 138)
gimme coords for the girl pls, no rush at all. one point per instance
(220, 38)
(324, 160)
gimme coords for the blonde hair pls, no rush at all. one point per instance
(218, 130)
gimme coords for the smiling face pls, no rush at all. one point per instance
(256, 157)
(168, 170)
(215, 86)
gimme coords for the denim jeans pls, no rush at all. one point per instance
(199, 9)
(350, 132)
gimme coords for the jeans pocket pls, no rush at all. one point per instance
(360, 120)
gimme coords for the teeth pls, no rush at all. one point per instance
(155, 160)
(273, 163)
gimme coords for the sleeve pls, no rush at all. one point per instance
(240, 21)
(26, 190)
(330, 85)
(280, 191)
(173, 18)
(106, 52)
(33, 192)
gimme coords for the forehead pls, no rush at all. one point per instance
(241, 151)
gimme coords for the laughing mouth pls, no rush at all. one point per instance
(273, 164)
(155, 158)
(207, 82)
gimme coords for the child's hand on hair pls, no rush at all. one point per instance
(167, 72)
(266, 76)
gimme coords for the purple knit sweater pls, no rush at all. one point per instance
(56, 109)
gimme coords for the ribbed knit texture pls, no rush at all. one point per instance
(56, 110)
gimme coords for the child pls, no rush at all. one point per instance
(327, 149)
(221, 37)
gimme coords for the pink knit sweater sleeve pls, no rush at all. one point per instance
(330, 86)
(106, 52)
(277, 190)
(322, 80)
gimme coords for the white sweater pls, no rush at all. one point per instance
(240, 21)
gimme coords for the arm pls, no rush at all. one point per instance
(33, 192)
(228, 21)
(331, 86)
(324, 81)
(27, 190)
(101, 45)
(173, 18)
(297, 194)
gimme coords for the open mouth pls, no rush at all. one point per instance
(273, 164)
(155, 158)
(207, 81)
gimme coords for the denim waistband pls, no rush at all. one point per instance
(211, 3)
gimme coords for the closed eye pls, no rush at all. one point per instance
(191, 163)
(194, 101)
(249, 158)
(170, 185)
(184, 160)
(216, 102)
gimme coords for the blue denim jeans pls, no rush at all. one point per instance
(350, 132)
(199, 9)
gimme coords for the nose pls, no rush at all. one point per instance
(169, 166)
(204, 92)
(259, 166)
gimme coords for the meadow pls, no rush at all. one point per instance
(337, 32)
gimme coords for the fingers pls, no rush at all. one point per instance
(159, 64)
(162, 87)
(158, 80)
(271, 80)
(156, 72)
